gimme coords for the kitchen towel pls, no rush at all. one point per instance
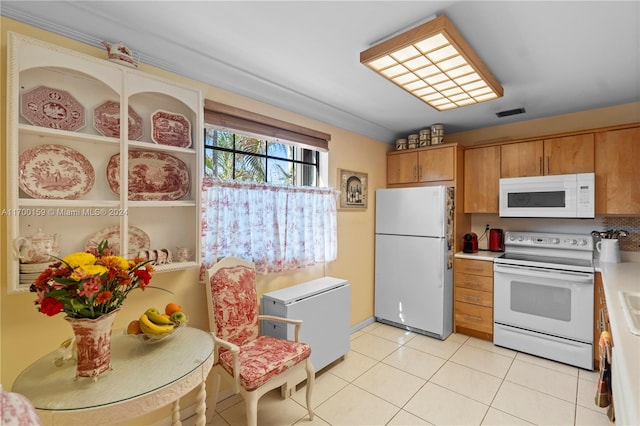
(604, 397)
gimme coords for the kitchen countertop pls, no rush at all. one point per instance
(617, 277)
(480, 255)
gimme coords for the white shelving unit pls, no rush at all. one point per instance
(93, 81)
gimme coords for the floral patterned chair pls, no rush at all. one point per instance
(254, 364)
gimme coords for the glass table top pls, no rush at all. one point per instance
(138, 368)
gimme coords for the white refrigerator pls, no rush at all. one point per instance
(414, 259)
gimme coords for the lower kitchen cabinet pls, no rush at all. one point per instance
(473, 298)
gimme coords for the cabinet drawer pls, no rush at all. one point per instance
(474, 297)
(475, 317)
(475, 282)
(477, 267)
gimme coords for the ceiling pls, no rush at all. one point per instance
(303, 56)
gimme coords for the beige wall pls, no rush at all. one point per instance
(25, 334)
(591, 119)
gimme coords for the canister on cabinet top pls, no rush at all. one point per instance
(401, 144)
(437, 134)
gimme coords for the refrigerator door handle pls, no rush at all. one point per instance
(440, 266)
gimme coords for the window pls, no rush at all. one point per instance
(262, 197)
(231, 155)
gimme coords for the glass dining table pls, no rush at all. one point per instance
(144, 378)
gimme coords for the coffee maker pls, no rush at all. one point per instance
(470, 243)
(496, 240)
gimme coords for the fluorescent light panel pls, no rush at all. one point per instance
(434, 63)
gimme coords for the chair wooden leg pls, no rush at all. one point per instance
(311, 376)
(251, 407)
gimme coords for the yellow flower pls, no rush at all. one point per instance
(115, 262)
(87, 271)
(79, 259)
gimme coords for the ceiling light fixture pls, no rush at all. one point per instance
(434, 63)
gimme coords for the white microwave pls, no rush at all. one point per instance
(548, 196)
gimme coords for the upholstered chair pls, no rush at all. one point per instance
(252, 363)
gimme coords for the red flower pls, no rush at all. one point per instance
(144, 276)
(51, 306)
(103, 297)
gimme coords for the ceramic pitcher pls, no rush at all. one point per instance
(37, 248)
(609, 250)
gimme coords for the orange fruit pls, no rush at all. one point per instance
(171, 308)
(134, 327)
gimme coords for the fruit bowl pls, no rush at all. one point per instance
(155, 338)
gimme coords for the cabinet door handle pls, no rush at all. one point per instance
(419, 172)
(414, 172)
(472, 318)
(541, 167)
(472, 268)
(472, 298)
(547, 158)
(473, 283)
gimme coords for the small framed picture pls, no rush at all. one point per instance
(353, 189)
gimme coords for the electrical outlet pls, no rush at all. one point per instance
(486, 227)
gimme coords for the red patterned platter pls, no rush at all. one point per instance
(54, 172)
(106, 120)
(153, 176)
(170, 128)
(138, 239)
(53, 108)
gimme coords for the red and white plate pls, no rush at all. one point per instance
(53, 108)
(106, 120)
(153, 176)
(54, 172)
(138, 240)
(170, 128)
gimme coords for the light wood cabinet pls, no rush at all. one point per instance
(617, 162)
(131, 209)
(431, 164)
(473, 298)
(554, 156)
(481, 179)
(402, 168)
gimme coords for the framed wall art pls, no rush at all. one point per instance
(353, 189)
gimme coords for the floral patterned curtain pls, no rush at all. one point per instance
(277, 227)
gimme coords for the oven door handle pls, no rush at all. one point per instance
(533, 272)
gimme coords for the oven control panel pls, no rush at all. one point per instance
(559, 241)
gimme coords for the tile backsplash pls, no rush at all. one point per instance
(629, 224)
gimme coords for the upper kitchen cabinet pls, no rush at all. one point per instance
(617, 174)
(98, 150)
(481, 179)
(554, 156)
(423, 165)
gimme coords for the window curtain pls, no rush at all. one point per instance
(277, 227)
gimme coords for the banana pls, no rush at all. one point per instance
(157, 319)
(148, 327)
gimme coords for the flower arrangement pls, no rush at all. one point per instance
(89, 284)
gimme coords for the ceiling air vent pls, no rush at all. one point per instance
(510, 112)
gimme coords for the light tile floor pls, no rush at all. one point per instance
(395, 377)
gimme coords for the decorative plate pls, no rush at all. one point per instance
(54, 172)
(138, 239)
(53, 108)
(170, 128)
(153, 176)
(106, 120)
